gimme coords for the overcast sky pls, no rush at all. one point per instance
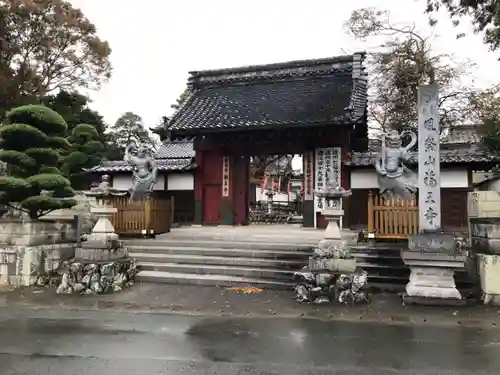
(156, 42)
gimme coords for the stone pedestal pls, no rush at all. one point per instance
(269, 202)
(332, 250)
(103, 243)
(433, 259)
(333, 217)
(103, 229)
(101, 263)
(489, 273)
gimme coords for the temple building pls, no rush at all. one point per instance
(317, 108)
(313, 108)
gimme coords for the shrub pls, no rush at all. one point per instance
(32, 142)
(58, 143)
(85, 154)
(43, 118)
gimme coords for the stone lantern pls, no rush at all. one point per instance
(101, 263)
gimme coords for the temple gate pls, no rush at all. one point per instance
(316, 108)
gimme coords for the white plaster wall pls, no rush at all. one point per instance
(278, 197)
(493, 185)
(367, 179)
(123, 181)
(180, 181)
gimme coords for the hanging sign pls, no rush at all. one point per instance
(308, 183)
(327, 168)
(225, 176)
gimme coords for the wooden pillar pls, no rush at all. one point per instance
(147, 214)
(241, 185)
(226, 203)
(208, 187)
(371, 228)
(198, 189)
(308, 184)
(345, 182)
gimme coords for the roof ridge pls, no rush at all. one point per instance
(294, 64)
(177, 141)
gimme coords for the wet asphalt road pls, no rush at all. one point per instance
(66, 342)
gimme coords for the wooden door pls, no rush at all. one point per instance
(211, 204)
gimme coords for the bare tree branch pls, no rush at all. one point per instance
(400, 64)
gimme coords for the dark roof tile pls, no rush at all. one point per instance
(473, 154)
(175, 149)
(308, 92)
(164, 165)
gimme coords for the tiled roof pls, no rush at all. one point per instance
(472, 154)
(164, 165)
(175, 149)
(465, 134)
(461, 135)
(309, 92)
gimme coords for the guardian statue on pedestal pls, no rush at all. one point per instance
(395, 179)
(144, 172)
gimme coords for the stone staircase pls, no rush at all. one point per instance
(261, 256)
(222, 263)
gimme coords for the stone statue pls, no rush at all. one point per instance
(145, 170)
(395, 179)
(104, 189)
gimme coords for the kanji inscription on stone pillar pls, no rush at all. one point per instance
(429, 179)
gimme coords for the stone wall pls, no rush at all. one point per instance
(29, 249)
(23, 265)
(484, 217)
(82, 210)
(33, 233)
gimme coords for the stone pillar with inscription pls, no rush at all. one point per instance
(432, 255)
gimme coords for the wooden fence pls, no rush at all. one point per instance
(391, 219)
(133, 218)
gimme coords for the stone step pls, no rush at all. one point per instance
(375, 272)
(218, 260)
(244, 271)
(223, 252)
(367, 255)
(204, 269)
(229, 234)
(223, 279)
(219, 244)
(215, 280)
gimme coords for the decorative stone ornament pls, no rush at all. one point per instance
(331, 273)
(332, 194)
(101, 263)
